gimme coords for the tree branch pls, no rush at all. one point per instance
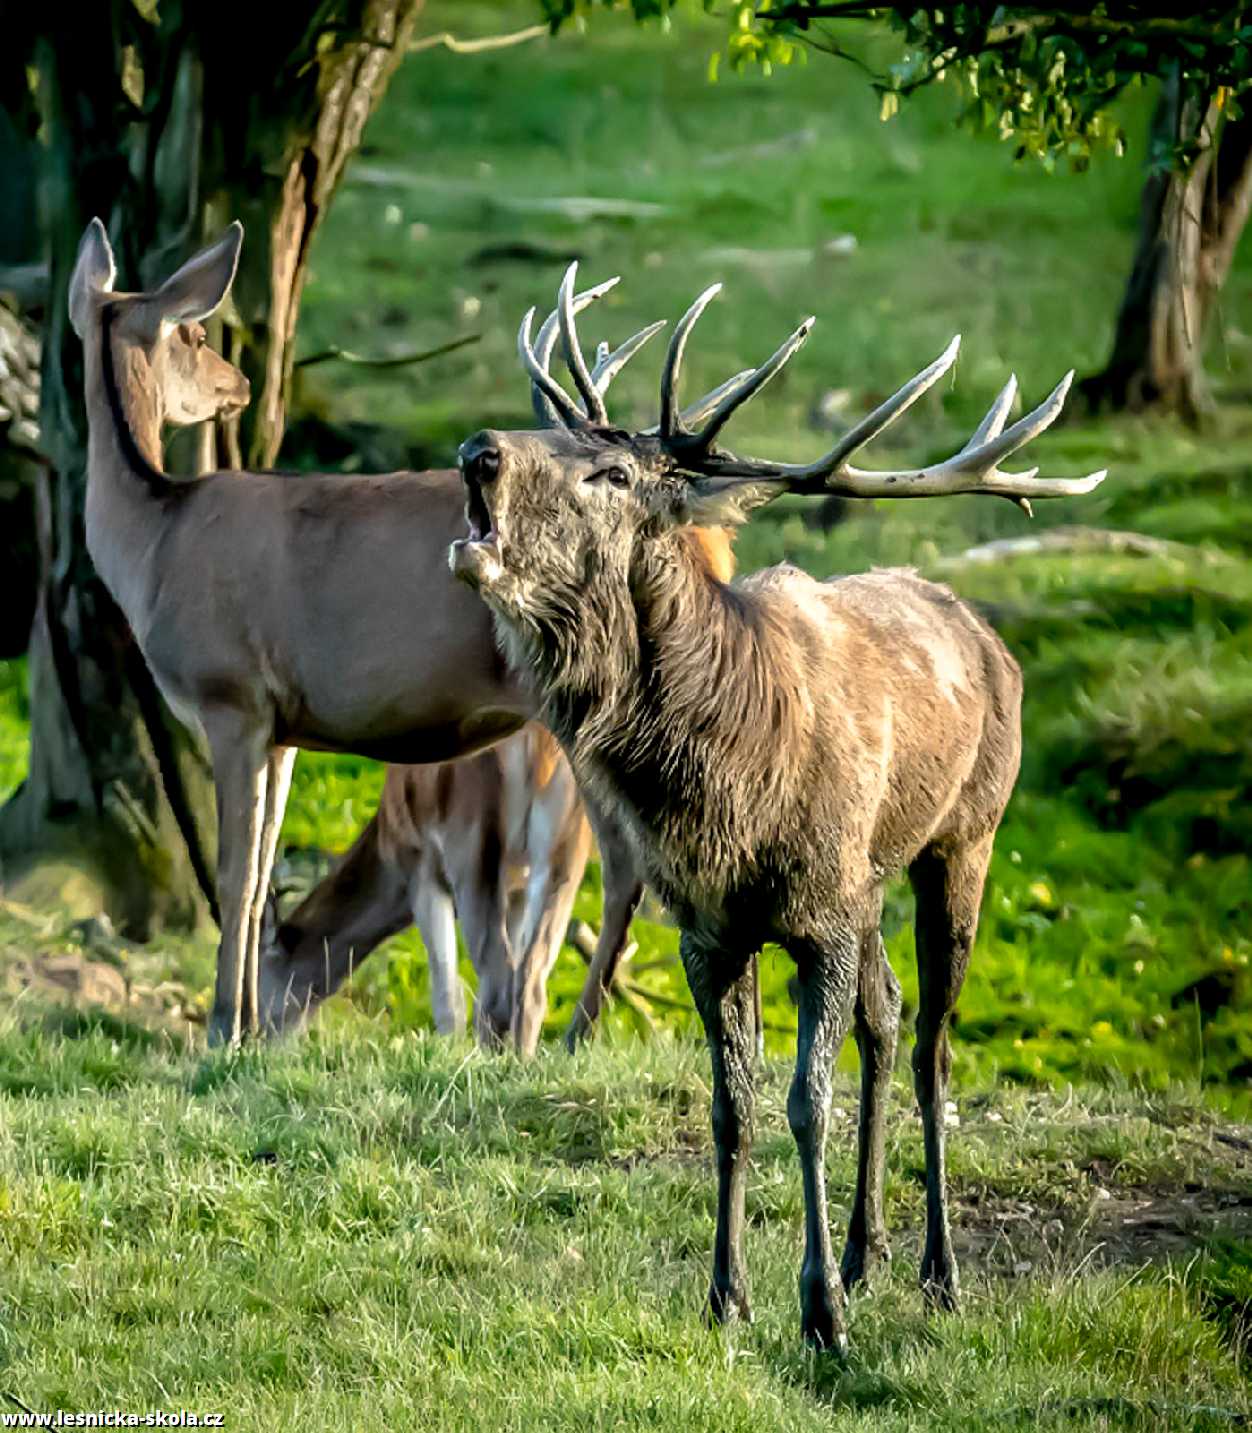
(475, 47)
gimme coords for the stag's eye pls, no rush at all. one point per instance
(617, 477)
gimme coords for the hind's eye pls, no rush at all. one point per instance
(618, 477)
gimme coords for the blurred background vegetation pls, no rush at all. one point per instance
(1116, 934)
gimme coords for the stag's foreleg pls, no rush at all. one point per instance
(721, 986)
(877, 1027)
(623, 891)
(241, 754)
(827, 975)
(948, 885)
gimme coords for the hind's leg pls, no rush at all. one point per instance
(948, 884)
(877, 1027)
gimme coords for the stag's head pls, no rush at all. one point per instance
(577, 498)
(159, 336)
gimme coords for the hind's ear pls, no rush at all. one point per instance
(200, 286)
(94, 272)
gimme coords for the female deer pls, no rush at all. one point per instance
(278, 613)
(774, 749)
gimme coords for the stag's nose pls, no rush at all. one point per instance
(479, 457)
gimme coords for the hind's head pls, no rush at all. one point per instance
(158, 339)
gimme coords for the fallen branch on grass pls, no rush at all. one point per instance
(1077, 540)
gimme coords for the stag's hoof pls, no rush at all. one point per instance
(224, 1030)
(821, 1316)
(941, 1285)
(726, 1305)
(864, 1262)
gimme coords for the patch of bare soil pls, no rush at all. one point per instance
(92, 972)
(1126, 1225)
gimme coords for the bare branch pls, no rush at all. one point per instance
(477, 47)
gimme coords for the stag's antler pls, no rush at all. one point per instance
(551, 402)
(973, 470)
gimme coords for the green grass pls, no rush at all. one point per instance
(371, 1230)
(1120, 890)
(374, 1229)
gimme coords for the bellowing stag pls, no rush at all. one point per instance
(774, 749)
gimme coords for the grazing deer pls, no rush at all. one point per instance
(774, 749)
(498, 841)
(279, 612)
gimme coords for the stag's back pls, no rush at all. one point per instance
(813, 737)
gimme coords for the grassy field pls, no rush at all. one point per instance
(1117, 932)
(373, 1229)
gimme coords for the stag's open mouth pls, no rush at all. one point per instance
(477, 513)
(475, 558)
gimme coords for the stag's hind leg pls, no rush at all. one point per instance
(877, 1024)
(827, 976)
(948, 884)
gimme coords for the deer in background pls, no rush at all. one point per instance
(498, 841)
(774, 749)
(278, 612)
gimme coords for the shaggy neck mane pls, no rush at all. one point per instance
(667, 688)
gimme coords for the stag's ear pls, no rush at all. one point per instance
(200, 286)
(94, 272)
(726, 502)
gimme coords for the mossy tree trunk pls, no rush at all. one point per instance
(1189, 227)
(166, 122)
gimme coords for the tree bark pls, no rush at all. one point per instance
(1189, 228)
(19, 437)
(166, 126)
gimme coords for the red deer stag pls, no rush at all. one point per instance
(280, 612)
(774, 749)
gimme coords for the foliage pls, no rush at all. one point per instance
(1042, 76)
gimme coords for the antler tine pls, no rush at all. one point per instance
(886, 413)
(564, 409)
(974, 469)
(699, 410)
(610, 364)
(993, 424)
(593, 399)
(739, 391)
(546, 342)
(671, 425)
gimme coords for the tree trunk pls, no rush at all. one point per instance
(92, 827)
(19, 436)
(166, 128)
(1189, 228)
